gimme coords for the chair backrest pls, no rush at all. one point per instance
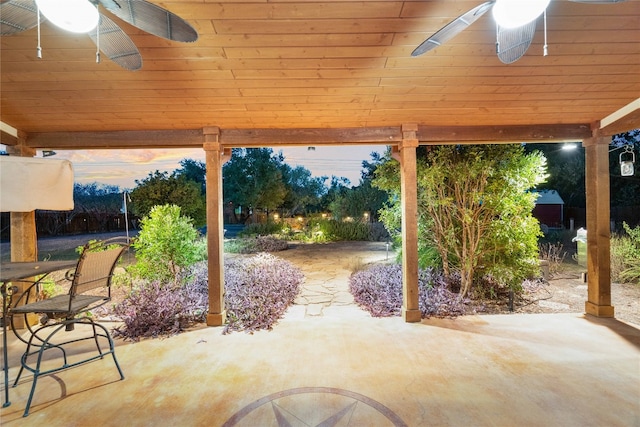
(96, 264)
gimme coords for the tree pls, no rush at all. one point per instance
(337, 187)
(160, 188)
(303, 190)
(253, 180)
(474, 209)
(101, 202)
(566, 169)
(355, 201)
(193, 170)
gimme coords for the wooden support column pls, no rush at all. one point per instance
(598, 227)
(22, 231)
(24, 240)
(409, 201)
(215, 227)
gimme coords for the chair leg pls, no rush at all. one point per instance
(33, 389)
(99, 331)
(112, 347)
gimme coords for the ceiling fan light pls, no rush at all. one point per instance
(77, 16)
(516, 13)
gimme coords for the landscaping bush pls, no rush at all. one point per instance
(262, 229)
(167, 243)
(158, 309)
(252, 245)
(333, 230)
(625, 255)
(554, 254)
(258, 290)
(378, 290)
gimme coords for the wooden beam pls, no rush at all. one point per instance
(7, 139)
(503, 134)
(623, 120)
(274, 137)
(116, 139)
(229, 138)
(8, 134)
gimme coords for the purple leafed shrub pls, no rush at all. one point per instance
(435, 297)
(258, 290)
(157, 309)
(378, 290)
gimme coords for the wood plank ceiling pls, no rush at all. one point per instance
(281, 64)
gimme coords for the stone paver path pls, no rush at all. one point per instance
(327, 268)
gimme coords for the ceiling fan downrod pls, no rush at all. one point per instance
(39, 48)
(545, 48)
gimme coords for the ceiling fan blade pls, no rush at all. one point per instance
(512, 43)
(17, 16)
(152, 19)
(116, 44)
(452, 29)
(598, 1)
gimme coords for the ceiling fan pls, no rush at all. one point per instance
(83, 16)
(515, 26)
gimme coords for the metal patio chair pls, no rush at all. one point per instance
(90, 288)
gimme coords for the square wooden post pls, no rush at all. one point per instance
(215, 226)
(598, 227)
(409, 205)
(22, 231)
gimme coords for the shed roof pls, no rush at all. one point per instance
(549, 197)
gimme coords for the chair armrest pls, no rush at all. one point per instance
(25, 295)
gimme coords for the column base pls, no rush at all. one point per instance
(598, 310)
(216, 319)
(411, 316)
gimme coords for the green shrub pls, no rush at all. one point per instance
(49, 288)
(625, 256)
(332, 230)
(252, 245)
(166, 244)
(262, 229)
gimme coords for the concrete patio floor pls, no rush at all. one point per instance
(348, 369)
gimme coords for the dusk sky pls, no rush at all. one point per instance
(123, 167)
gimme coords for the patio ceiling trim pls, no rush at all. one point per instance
(623, 120)
(389, 135)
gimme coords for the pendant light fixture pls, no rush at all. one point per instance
(516, 13)
(77, 16)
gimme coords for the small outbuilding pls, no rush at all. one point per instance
(549, 208)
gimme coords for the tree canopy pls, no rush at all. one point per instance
(474, 209)
(303, 190)
(160, 188)
(253, 179)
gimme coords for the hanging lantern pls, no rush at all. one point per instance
(626, 161)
